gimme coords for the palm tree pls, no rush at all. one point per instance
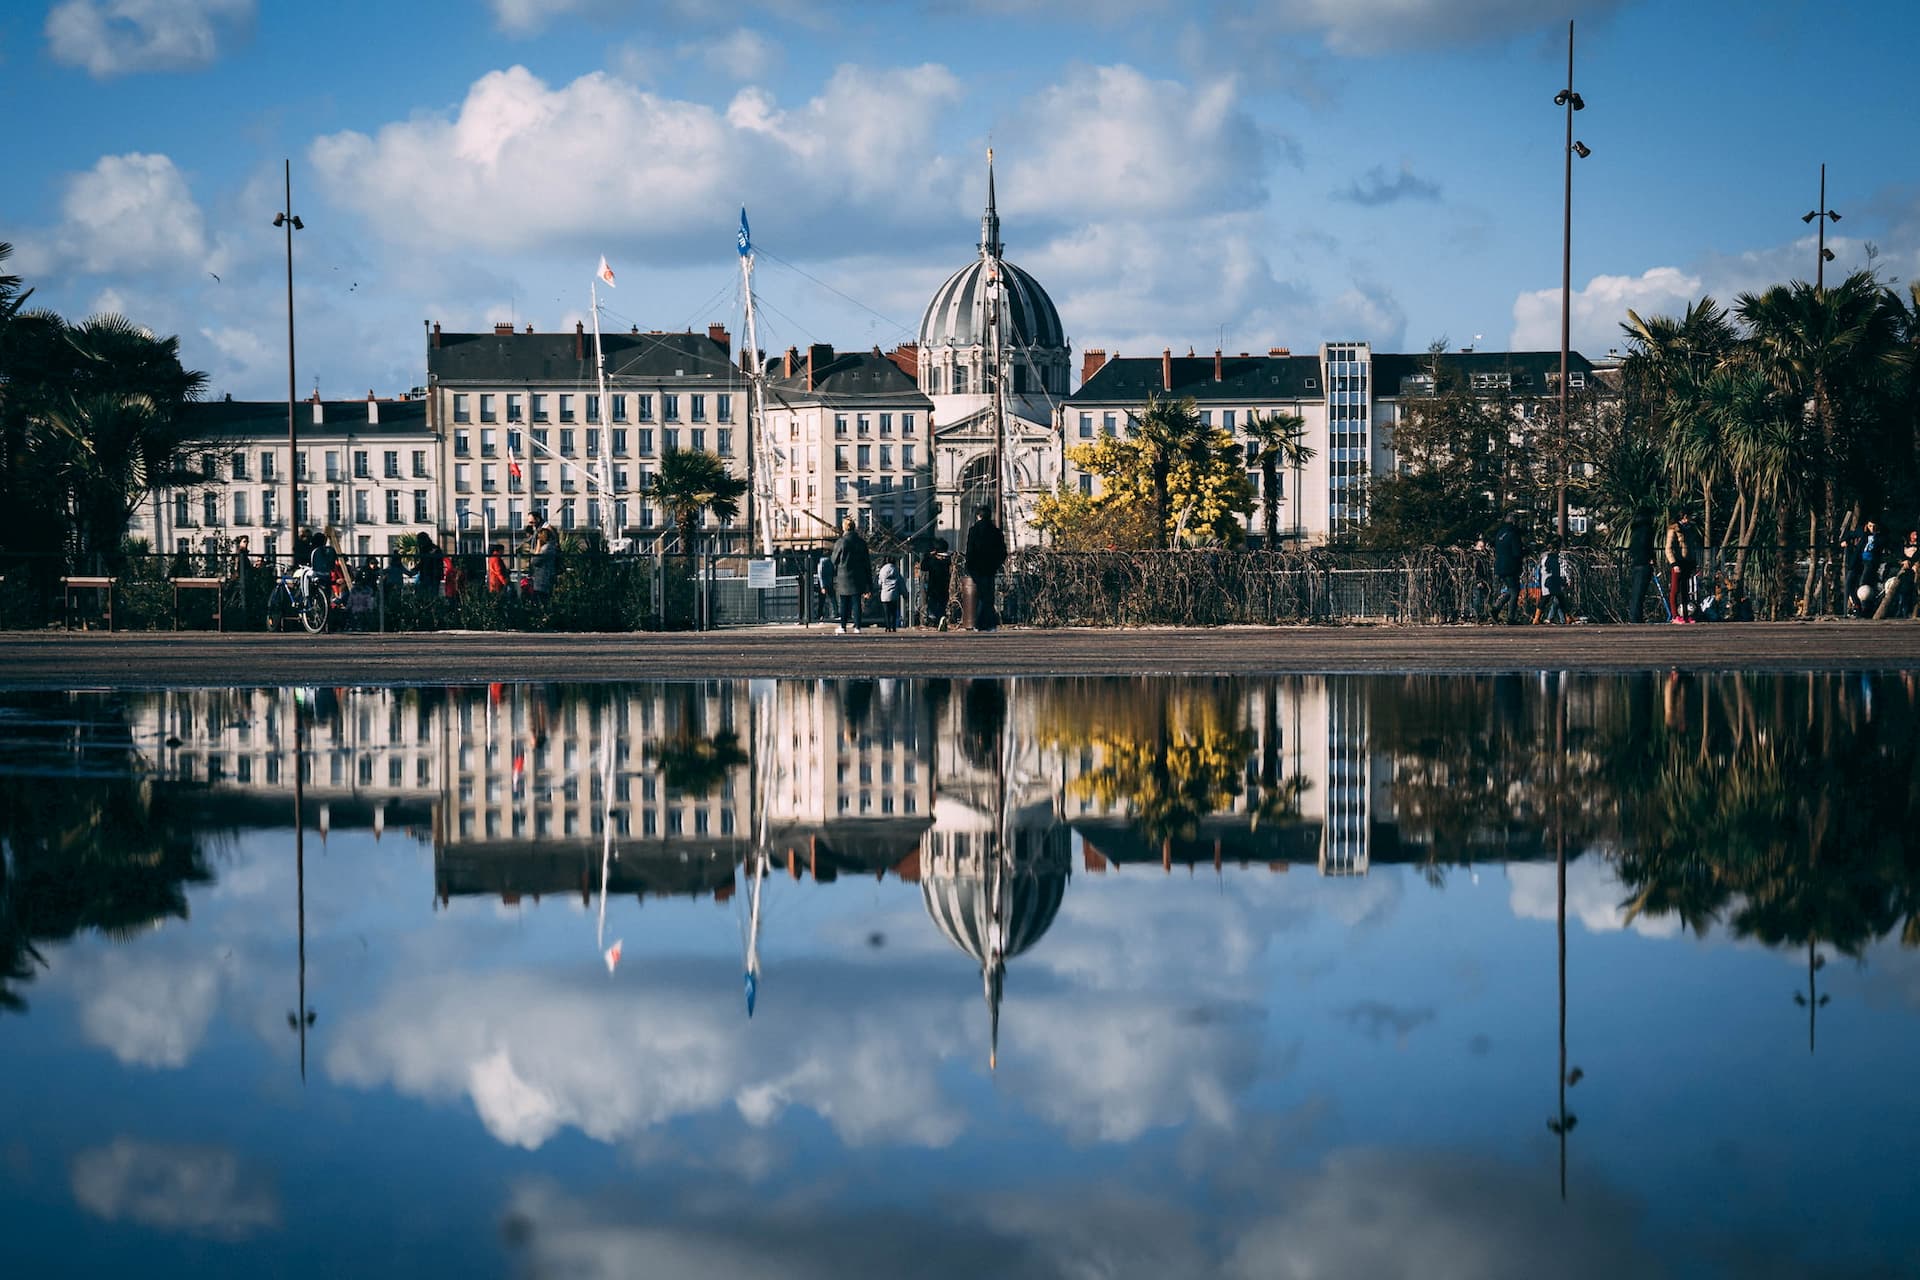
(691, 483)
(1170, 432)
(1277, 440)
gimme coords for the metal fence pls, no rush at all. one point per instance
(595, 591)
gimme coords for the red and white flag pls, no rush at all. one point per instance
(612, 957)
(605, 272)
(513, 464)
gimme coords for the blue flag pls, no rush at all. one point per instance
(746, 240)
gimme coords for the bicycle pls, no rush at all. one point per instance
(299, 594)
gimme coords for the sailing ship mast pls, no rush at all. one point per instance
(759, 468)
(603, 471)
(990, 249)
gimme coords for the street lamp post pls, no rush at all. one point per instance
(291, 221)
(1572, 102)
(1822, 216)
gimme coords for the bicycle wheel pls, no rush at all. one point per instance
(279, 606)
(313, 612)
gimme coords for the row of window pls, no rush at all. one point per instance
(862, 425)
(536, 476)
(239, 465)
(569, 513)
(617, 442)
(1025, 379)
(537, 402)
(240, 508)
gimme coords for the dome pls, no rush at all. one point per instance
(960, 907)
(957, 316)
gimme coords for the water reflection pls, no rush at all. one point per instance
(1251, 1027)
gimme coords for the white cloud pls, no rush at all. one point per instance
(1361, 27)
(200, 1191)
(1595, 897)
(1598, 309)
(119, 37)
(148, 1010)
(488, 175)
(739, 56)
(129, 213)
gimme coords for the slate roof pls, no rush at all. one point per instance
(957, 315)
(851, 377)
(1530, 369)
(1243, 378)
(212, 420)
(549, 358)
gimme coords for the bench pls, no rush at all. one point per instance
(69, 585)
(215, 585)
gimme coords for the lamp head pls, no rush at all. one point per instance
(1582, 150)
(1579, 103)
(1810, 215)
(1827, 254)
(1833, 215)
(280, 219)
(297, 224)
(1560, 98)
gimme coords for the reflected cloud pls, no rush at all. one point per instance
(198, 1191)
(1595, 897)
(147, 1009)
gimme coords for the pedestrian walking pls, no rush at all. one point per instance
(887, 582)
(1553, 587)
(986, 555)
(852, 576)
(430, 564)
(936, 582)
(1639, 564)
(823, 581)
(496, 568)
(1508, 554)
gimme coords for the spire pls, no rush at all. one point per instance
(990, 246)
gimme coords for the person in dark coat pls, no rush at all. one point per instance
(430, 562)
(1639, 564)
(986, 555)
(1507, 557)
(936, 578)
(852, 575)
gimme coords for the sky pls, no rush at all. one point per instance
(1183, 173)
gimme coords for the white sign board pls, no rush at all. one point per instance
(760, 575)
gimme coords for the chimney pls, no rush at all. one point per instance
(502, 329)
(718, 334)
(819, 356)
(1277, 352)
(529, 330)
(319, 416)
(373, 410)
(436, 335)
(1166, 368)
(1091, 362)
(791, 361)
(579, 340)
(1219, 368)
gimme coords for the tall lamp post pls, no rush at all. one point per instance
(1821, 215)
(1572, 102)
(291, 221)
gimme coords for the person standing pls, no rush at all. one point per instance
(1683, 562)
(936, 577)
(887, 581)
(1639, 564)
(1507, 556)
(496, 568)
(823, 581)
(546, 563)
(986, 555)
(852, 576)
(1553, 587)
(430, 563)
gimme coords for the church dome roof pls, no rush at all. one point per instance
(961, 909)
(957, 316)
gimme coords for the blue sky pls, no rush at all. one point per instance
(1279, 173)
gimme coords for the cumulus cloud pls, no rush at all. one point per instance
(198, 1191)
(1598, 309)
(487, 176)
(148, 1010)
(740, 55)
(1377, 186)
(129, 213)
(120, 37)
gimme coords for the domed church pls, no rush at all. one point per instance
(991, 316)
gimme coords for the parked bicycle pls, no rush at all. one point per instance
(300, 594)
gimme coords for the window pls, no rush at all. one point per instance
(886, 457)
(462, 445)
(1086, 484)
(333, 466)
(619, 444)
(300, 465)
(886, 424)
(266, 465)
(419, 465)
(513, 408)
(724, 441)
(698, 407)
(489, 478)
(539, 399)
(1226, 419)
(723, 407)
(461, 412)
(959, 379)
(566, 444)
(669, 440)
(866, 456)
(462, 512)
(486, 406)
(863, 425)
(840, 425)
(906, 424)
(906, 456)
(489, 442)
(420, 505)
(238, 463)
(462, 477)
(646, 408)
(240, 508)
(539, 477)
(566, 407)
(1206, 417)
(1106, 424)
(699, 439)
(839, 457)
(593, 444)
(1086, 426)
(540, 440)
(593, 408)
(362, 465)
(645, 443)
(1576, 378)
(360, 508)
(669, 407)
(210, 508)
(333, 506)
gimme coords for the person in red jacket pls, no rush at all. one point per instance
(496, 568)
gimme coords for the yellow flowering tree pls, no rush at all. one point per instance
(1207, 494)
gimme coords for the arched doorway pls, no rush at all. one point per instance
(977, 486)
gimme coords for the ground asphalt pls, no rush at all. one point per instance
(74, 660)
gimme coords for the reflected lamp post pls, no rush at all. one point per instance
(1573, 102)
(290, 220)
